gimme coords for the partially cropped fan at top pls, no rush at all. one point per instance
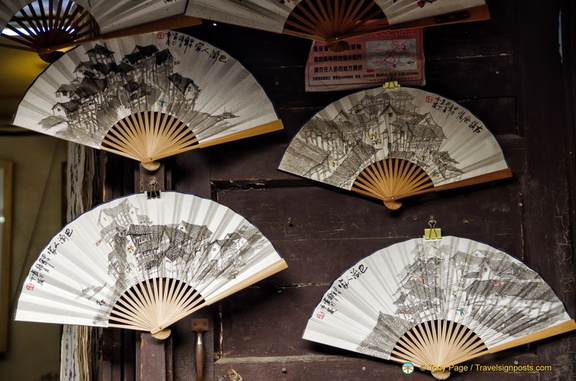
(144, 263)
(333, 21)
(147, 97)
(437, 303)
(394, 142)
(44, 26)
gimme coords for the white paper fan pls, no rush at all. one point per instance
(143, 264)
(436, 303)
(147, 97)
(333, 21)
(47, 25)
(390, 143)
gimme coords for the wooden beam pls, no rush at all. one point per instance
(153, 358)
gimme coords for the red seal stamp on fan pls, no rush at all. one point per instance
(30, 286)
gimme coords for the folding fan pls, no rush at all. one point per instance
(333, 21)
(144, 263)
(147, 97)
(436, 303)
(392, 142)
(47, 25)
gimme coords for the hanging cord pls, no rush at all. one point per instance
(24, 271)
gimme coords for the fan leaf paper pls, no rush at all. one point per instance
(147, 97)
(333, 21)
(436, 303)
(394, 142)
(143, 264)
(44, 26)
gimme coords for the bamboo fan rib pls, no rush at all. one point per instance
(391, 143)
(387, 178)
(144, 264)
(147, 97)
(155, 303)
(436, 304)
(332, 22)
(46, 26)
(41, 24)
(148, 137)
(438, 345)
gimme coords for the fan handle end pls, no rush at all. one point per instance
(151, 165)
(161, 333)
(441, 375)
(392, 204)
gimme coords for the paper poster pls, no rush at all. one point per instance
(368, 61)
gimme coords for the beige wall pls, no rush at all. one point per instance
(34, 349)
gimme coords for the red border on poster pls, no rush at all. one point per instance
(368, 61)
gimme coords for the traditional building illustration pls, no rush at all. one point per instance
(105, 89)
(487, 289)
(385, 125)
(137, 243)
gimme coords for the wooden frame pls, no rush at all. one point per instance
(5, 235)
